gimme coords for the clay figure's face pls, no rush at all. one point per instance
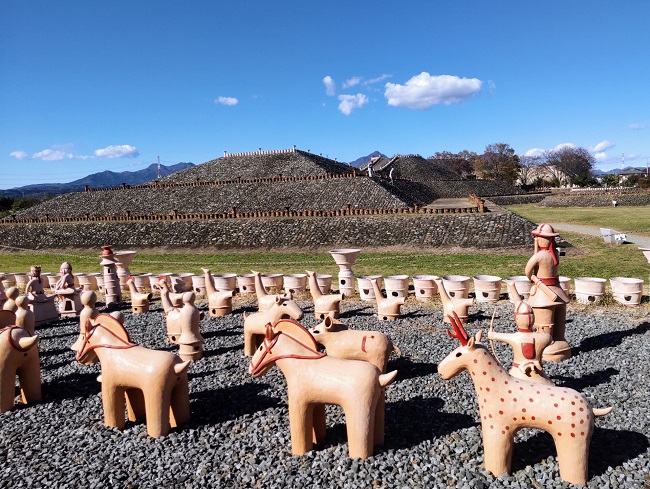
(65, 269)
(36, 272)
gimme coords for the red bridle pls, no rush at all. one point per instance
(11, 340)
(270, 339)
(85, 349)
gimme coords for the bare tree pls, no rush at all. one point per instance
(498, 162)
(462, 164)
(574, 164)
(529, 169)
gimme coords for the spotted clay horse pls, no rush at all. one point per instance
(507, 404)
(314, 380)
(154, 382)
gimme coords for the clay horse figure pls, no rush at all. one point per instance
(507, 404)
(154, 382)
(19, 357)
(314, 380)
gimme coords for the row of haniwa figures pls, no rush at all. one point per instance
(351, 373)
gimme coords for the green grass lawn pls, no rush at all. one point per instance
(632, 220)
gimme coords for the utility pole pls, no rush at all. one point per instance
(159, 168)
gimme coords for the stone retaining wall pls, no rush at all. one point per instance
(595, 200)
(519, 199)
(462, 230)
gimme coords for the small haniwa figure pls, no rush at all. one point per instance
(527, 345)
(69, 296)
(190, 340)
(41, 303)
(547, 298)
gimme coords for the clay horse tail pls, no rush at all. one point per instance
(181, 368)
(397, 350)
(602, 411)
(386, 379)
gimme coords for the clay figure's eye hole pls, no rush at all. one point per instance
(285, 304)
(458, 354)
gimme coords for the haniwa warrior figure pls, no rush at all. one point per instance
(547, 298)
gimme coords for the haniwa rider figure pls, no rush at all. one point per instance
(547, 298)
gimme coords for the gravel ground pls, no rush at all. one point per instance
(238, 435)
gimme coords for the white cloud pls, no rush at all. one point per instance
(355, 80)
(19, 155)
(350, 102)
(600, 156)
(602, 147)
(423, 91)
(330, 86)
(122, 151)
(563, 145)
(535, 153)
(52, 155)
(380, 78)
(636, 127)
(226, 101)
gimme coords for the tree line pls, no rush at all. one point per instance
(566, 166)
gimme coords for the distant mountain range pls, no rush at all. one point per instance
(616, 171)
(359, 162)
(101, 179)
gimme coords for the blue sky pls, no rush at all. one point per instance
(88, 86)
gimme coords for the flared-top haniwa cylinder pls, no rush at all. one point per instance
(565, 283)
(21, 279)
(295, 283)
(324, 281)
(123, 260)
(396, 286)
(245, 284)
(457, 286)
(181, 282)
(227, 282)
(627, 291)
(589, 290)
(272, 282)
(487, 288)
(345, 258)
(425, 287)
(198, 285)
(522, 285)
(366, 291)
(142, 282)
(9, 280)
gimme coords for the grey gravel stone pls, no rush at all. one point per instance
(238, 435)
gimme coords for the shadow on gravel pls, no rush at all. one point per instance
(221, 333)
(408, 369)
(608, 340)
(54, 366)
(220, 405)
(57, 351)
(50, 337)
(71, 386)
(586, 381)
(221, 351)
(609, 448)
(420, 419)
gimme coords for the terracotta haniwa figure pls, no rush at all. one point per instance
(369, 346)
(169, 300)
(527, 345)
(324, 304)
(25, 317)
(507, 404)
(88, 313)
(10, 303)
(315, 379)
(255, 324)
(41, 303)
(7, 318)
(219, 303)
(19, 357)
(154, 382)
(69, 296)
(547, 298)
(139, 301)
(388, 309)
(190, 339)
(264, 299)
(452, 306)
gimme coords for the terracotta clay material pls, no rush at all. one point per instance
(451, 305)
(190, 340)
(10, 302)
(3, 294)
(315, 379)
(324, 304)
(507, 404)
(169, 300)
(345, 258)
(67, 293)
(457, 286)
(139, 301)
(255, 324)
(42, 304)
(7, 318)
(547, 298)
(425, 287)
(112, 289)
(264, 299)
(369, 346)
(25, 317)
(154, 382)
(88, 313)
(527, 345)
(19, 357)
(388, 309)
(219, 302)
